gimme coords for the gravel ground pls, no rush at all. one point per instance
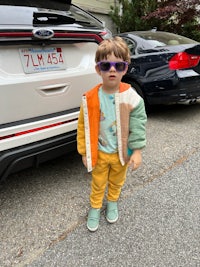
(41, 207)
(158, 226)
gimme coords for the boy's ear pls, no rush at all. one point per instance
(125, 71)
(97, 69)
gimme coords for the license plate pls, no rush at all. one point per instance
(42, 59)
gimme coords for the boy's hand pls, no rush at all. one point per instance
(135, 160)
(84, 161)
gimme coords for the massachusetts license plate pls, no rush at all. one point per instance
(42, 59)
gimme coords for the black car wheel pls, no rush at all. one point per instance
(138, 89)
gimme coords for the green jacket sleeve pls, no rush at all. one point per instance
(137, 123)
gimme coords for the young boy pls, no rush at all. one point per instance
(111, 130)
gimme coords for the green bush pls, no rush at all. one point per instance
(144, 15)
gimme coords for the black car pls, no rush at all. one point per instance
(164, 67)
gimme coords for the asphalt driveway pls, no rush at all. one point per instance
(158, 226)
(43, 211)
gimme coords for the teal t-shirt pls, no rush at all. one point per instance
(107, 141)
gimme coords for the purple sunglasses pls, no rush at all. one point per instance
(106, 65)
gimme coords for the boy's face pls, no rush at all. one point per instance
(111, 78)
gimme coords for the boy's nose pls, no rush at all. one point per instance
(112, 68)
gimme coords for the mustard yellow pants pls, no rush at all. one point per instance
(108, 172)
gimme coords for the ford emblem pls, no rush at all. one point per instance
(43, 33)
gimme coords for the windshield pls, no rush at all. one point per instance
(61, 13)
(156, 39)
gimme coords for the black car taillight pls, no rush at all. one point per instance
(183, 60)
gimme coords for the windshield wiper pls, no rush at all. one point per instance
(51, 18)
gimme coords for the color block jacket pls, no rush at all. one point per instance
(130, 117)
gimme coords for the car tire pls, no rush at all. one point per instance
(138, 89)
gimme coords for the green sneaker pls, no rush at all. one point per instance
(93, 219)
(112, 212)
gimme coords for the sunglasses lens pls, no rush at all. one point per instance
(105, 66)
(120, 66)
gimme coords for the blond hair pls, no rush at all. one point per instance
(115, 45)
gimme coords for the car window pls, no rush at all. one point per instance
(131, 45)
(155, 43)
(41, 12)
(156, 39)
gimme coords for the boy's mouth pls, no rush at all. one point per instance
(112, 76)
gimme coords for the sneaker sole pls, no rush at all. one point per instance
(112, 221)
(92, 229)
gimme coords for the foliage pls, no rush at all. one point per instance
(181, 17)
(178, 16)
(130, 16)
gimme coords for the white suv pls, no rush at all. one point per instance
(46, 63)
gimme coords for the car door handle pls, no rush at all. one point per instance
(53, 89)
